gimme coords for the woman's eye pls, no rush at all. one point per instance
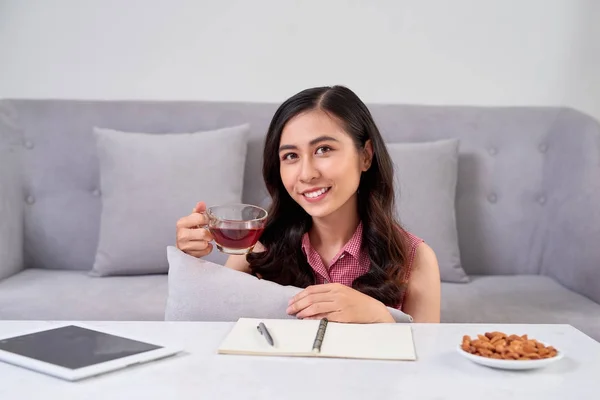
(289, 156)
(323, 149)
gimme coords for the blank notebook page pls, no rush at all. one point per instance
(370, 341)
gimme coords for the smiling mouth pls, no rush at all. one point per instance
(316, 193)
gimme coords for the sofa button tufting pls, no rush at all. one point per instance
(96, 192)
(492, 197)
(30, 199)
(543, 147)
(29, 144)
(541, 199)
(492, 151)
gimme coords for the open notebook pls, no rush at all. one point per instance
(298, 338)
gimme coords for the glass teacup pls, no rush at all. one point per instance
(236, 227)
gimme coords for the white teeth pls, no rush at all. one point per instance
(316, 193)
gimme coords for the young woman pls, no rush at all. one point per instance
(331, 226)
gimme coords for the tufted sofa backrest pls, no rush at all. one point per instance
(524, 174)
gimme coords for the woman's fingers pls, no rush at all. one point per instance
(201, 234)
(200, 207)
(317, 309)
(193, 220)
(308, 301)
(201, 253)
(193, 239)
(196, 245)
(312, 290)
(191, 236)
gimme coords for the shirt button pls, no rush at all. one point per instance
(342, 256)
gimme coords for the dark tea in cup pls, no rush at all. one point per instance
(236, 228)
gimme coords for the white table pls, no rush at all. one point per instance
(200, 373)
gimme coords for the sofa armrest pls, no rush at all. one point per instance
(571, 224)
(11, 194)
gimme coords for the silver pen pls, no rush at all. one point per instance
(265, 332)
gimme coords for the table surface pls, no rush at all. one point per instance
(200, 373)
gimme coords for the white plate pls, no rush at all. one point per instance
(510, 364)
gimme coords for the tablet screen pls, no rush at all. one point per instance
(73, 346)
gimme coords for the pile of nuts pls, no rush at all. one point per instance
(503, 347)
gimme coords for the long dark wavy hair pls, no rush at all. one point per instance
(284, 261)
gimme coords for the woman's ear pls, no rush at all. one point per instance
(366, 156)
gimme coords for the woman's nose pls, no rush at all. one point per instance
(308, 172)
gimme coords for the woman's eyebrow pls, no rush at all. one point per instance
(312, 143)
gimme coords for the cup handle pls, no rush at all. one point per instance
(203, 226)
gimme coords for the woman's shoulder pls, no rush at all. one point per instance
(414, 249)
(412, 240)
(420, 254)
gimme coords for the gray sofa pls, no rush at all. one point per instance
(527, 206)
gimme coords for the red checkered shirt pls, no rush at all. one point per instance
(350, 262)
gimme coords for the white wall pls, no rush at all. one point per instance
(504, 52)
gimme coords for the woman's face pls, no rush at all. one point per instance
(320, 165)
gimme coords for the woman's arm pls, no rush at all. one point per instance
(341, 303)
(422, 299)
(239, 263)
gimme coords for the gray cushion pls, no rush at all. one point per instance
(200, 290)
(41, 294)
(426, 175)
(149, 181)
(524, 299)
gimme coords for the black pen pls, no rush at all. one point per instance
(265, 332)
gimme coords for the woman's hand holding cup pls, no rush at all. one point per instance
(192, 238)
